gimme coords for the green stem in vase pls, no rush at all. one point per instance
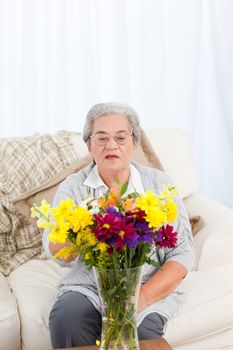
(118, 292)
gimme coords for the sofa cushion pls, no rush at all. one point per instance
(222, 340)
(214, 241)
(9, 318)
(174, 152)
(206, 311)
(35, 286)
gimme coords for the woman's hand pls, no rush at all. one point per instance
(161, 284)
(55, 247)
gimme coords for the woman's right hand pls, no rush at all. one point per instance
(55, 247)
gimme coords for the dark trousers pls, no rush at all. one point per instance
(74, 321)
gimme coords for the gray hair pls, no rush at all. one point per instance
(102, 109)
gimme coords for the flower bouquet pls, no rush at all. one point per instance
(116, 235)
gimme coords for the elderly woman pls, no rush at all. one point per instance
(112, 132)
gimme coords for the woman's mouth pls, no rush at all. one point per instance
(111, 156)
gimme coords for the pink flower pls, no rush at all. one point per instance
(114, 229)
(167, 238)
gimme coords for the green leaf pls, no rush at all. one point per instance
(123, 188)
(123, 279)
(134, 195)
(111, 291)
(153, 263)
(118, 183)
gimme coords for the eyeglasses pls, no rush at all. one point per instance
(101, 139)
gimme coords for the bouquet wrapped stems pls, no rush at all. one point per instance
(118, 292)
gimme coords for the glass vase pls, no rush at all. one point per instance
(118, 291)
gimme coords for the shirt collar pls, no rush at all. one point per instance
(94, 180)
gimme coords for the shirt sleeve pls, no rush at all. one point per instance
(184, 252)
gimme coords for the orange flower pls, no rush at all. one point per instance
(111, 200)
(130, 204)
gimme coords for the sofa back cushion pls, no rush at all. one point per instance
(174, 151)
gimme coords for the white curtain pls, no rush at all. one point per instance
(171, 60)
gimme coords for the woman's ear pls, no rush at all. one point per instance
(89, 145)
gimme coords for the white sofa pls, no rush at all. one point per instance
(205, 319)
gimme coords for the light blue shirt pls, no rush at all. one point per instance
(79, 278)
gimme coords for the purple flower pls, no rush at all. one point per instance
(133, 241)
(142, 227)
(147, 238)
(113, 210)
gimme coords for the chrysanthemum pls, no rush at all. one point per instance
(79, 218)
(147, 201)
(171, 211)
(62, 210)
(156, 217)
(114, 230)
(59, 234)
(167, 237)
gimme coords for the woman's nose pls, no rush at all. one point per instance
(111, 143)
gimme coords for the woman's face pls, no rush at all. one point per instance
(112, 156)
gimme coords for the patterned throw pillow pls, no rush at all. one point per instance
(27, 163)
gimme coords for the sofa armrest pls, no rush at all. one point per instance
(214, 241)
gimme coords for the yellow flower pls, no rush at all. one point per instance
(61, 212)
(41, 211)
(44, 207)
(58, 235)
(65, 252)
(156, 218)
(46, 225)
(102, 247)
(147, 201)
(79, 218)
(169, 192)
(86, 237)
(91, 239)
(171, 211)
(87, 256)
